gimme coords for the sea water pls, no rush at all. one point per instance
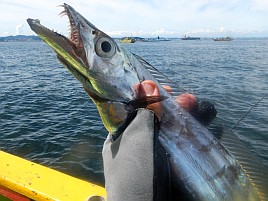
(46, 117)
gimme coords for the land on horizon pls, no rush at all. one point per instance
(29, 38)
(19, 38)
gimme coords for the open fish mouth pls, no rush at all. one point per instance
(73, 42)
(70, 50)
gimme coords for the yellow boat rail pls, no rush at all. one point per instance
(40, 183)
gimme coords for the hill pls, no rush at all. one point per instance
(19, 38)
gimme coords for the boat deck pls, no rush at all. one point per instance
(37, 182)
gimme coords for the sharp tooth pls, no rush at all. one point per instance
(63, 13)
(73, 28)
(61, 6)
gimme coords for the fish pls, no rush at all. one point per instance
(202, 167)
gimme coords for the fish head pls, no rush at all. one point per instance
(94, 58)
(105, 62)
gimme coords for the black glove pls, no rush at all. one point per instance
(135, 164)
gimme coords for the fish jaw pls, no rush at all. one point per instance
(66, 50)
(104, 69)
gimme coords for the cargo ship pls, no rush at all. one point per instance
(190, 38)
(223, 39)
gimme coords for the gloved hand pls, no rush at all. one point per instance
(135, 164)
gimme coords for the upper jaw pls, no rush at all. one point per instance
(81, 29)
(74, 23)
(83, 32)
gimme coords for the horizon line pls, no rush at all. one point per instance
(154, 36)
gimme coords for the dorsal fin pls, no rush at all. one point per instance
(251, 164)
(161, 78)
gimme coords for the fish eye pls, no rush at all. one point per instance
(105, 47)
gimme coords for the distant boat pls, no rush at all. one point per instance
(223, 39)
(127, 40)
(158, 39)
(190, 38)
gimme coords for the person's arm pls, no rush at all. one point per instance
(135, 164)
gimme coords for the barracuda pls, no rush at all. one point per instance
(201, 167)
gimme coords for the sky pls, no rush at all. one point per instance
(144, 18)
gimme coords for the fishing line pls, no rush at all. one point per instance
(247, 112)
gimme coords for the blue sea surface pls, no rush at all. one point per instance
(46, 117)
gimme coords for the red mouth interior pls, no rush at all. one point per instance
(75, 37)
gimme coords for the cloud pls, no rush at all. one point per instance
(119, 33)
(260, 5)
(137, 17)
(20, 29)
(164, 32)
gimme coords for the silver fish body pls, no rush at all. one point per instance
(200, 164)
